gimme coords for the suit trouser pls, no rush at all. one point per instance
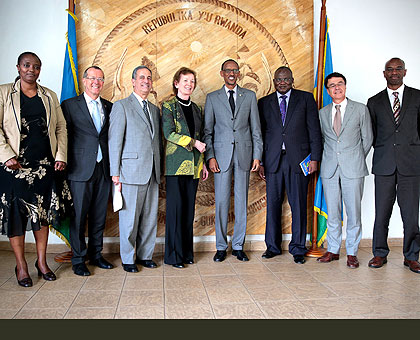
(138, 220)
(180, 206)
(222, 189)
(90, 201)
(406, 190)
(296, 187)
(339, 188)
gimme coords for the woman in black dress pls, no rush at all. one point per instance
(33, 151)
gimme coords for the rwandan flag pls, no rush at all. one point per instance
(70, 85)
(320, 205)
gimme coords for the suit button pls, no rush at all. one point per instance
(234, 130)
(232, 119)
(338, 141)
(338, 153)
(283, 134)
(395, 144)
(397, 131)
(233, 143)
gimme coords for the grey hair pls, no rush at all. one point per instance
(85, 74)
(133, 76)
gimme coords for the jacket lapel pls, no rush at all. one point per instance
(290, 107)
(384, 99)
(347, 115)
(223, 98)
(240, 95)
(15, 98)
(405, 103)
(81, 102)
(139, 110)
(274, 102)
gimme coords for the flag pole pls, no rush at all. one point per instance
(65, 257)
(315, 251)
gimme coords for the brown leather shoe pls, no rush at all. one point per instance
(377, 262)
(413, 265)
(328, 257)
(352, 261)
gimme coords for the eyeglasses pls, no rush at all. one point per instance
(392, 69)
(279, 80)
(339, 84)
(94, 78)
(228, 70)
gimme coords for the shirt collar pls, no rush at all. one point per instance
(287, 94)
(140, 99)
(89, 98)
(343, 105)
(235, 89)
(400, 90)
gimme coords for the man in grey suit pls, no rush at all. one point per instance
(347, 137)
(232, 134)
(87, 118)
(134, 155)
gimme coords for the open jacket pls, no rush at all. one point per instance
(10, 122)
(181, 158)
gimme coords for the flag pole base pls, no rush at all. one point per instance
(314, 251)
(64, 257)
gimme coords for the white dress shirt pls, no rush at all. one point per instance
(235, 91)
(91, 108)
(391, 97)
(342, 110)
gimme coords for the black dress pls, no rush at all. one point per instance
(35, 195)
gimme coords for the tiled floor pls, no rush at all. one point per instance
(258, 289)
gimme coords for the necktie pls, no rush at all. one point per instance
(396, 108)
(146, 113)
(337, 120)
(283, 108)
(231, 101)
(96, 116)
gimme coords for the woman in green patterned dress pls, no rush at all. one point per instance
(182, 123)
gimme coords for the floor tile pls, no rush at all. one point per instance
(250, 268)
(223, 295)
(350, 289)
(334, 308)
(187, 271)
(104, 283)
(285, 310)
(140, 312)
(215, 269)
(276, 293)
(53, 299)
(238, 311)
(186, 297)
(41, 313)
(311, 291)
(141, 298)
(189, 312)
(183, 282)
(143, 282)
(64, 284)
(91, 313)
(262, 280)
(97, 298)
(221, 281)
(8, 313)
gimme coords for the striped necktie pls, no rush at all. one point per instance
(396, 108)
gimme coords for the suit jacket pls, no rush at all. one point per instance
(10, 122)
(301, 133)
(224, 132)
(133, 150)
(83, 139)
(397, 147)
(181, 158)
(350, 148)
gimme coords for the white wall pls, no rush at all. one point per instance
(364, 34)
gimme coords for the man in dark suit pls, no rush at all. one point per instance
(87, 118)
(395, 114)
(291, 131)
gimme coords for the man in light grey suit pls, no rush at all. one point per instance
(232, 134)
(347, 137)
(134, 156)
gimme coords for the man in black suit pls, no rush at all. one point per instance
(395, 114)
(87, 119)
(291, 131)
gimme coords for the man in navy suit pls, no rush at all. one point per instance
(291, 131)
(395, 114)
(87, 118)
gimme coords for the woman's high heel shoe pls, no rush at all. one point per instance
(26, 282)
(49, 276)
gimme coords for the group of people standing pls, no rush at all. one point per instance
(125, 145)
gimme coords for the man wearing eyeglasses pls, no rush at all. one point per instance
(232, 134)
(87, 118)
(291, 131)
(395, 114)
(347, 137)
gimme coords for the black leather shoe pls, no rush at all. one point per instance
(219, 256)
(48, 276)
(25, 282)
(101, 263)
(268, 254)
(131, 268)
(299, 259)
(178, 265)
(189, 261)
(147, 263)
(81, 269)
(240, 255)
